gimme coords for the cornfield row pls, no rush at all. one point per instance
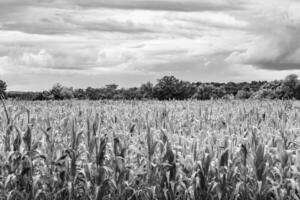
(150, 150)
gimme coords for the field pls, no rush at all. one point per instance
(150, 150)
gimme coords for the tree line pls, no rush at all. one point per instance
(169, 88)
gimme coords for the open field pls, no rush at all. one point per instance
(150, 150)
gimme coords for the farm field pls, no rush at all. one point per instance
(150, 150)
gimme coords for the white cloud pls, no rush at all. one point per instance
(192, 39)
(40, 59)
(218, 19)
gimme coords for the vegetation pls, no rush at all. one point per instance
(169, 88)
(150, 150)
(2, 88)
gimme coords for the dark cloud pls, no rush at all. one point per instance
(280, 66)
(53, 21)
(67, 26)
(274, 50)
(160, 5)
(44, 28)
(115, 26)
(8, 7)
(72, 68)
(169, 5)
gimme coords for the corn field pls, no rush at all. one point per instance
(138, 150)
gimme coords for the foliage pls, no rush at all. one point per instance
(208, 91)
(264, 94)
(214, 150)
(169, 88)
(2, 88)
(147, 90)
(243, 94)
(61, 92)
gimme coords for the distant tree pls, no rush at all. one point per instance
(185, 90)
(131, 94)
(79, 94)
(208, 91)
(272, 85)
(110, 91)
(231, 88)
(242, 86)
(169, 87)
(243, 94)
(111, 86)
(297, 90)
(256, 85)
(288, 86)
(120, 94)
(46, 95)
(3, 87)
(93, 93)
(56, 91)
(147, 90)
(166, 88)
(67, 92)
(60, 92)
(203, 92)
(264, 94)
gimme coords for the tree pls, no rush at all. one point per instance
(67, 92)
(93, 93)
(166, 88)
(297, 90)
(208, 91)
(288, 86)
(56, 91)
(243, 94)
(169, 87)
(3, 87)
(61, 92)
(112, 86)
(79, 94)
(184, 90)
(146, 90)
(231, 88)
(46, 95)
(256, 85)
(110, 91)
(264, 94)
(131, 93)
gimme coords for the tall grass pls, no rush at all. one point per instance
(150, 150)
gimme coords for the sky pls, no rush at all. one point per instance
(83, 43)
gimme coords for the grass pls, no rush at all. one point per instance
(150, 150)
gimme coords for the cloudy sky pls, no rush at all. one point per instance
(84, 43)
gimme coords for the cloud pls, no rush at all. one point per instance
(159, 56)
(276, 45)
(35, 60)
(37, 20)
(43, 26)
(208, 18)
(156, 5)
(39, 59)
(277, 51)
(169, 5)
(111, 25)
(104, 21)
(134, 38)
